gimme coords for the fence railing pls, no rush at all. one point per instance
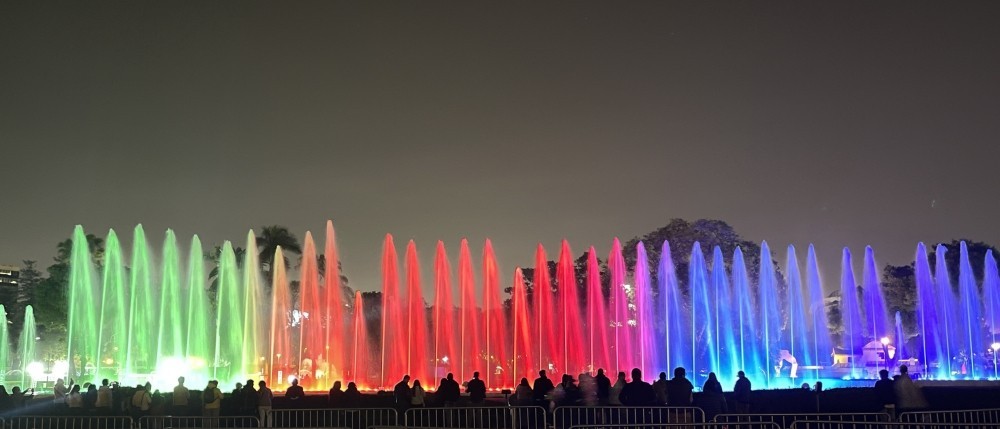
(988, 415)
(702, 425)
(68, 422)
(476, 417)
(811, 424)
(786, 420)
(353, 418)
(565, 417)
(165, 422)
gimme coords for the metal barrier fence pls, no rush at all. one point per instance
(476, 417)
(166, 422)
(800, 424)
(565, 417)
(354, 418)
(990, 415)
(786, 420)
(703, 425)
(68, 422)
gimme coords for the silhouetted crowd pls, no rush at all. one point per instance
(252, 399)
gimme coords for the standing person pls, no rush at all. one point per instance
(569, 393)
(141, 401)
(74, 400)
(179, 399)
(522, 394)
(660, 387)
(264, 399)
(615, 394)
(680, 391)
(713, 401)
(603, 387)
(212, 397)
(908, 395)
(637, 393)
(886, 394)
(5, 402)
(103, 402)
(542, 387)
(588, 390)
(18, 397)
(476, 389)
(417, 395)
(336, 397)
(90, 398)
(295, 392)
(249, 406)
(401, 393)
(741, 392)
(59, 392)
(352, 397)
(449, 391)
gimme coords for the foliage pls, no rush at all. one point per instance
(268, 240)
(682, 234)
(50, 295)
(213, 257)
(977, 258)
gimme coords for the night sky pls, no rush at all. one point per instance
(836, 123)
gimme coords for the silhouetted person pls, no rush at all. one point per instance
(679, 390)
(522, 394)
(90, 398)
(449, 391)
(352, 397)
(104, 399)
(885, 393)
(401, 393)
(295, 392)
(236, 399)
(616, 391)
(908, 395)
(637, 393)
(18, 397)
(660, 387)
(249, 404)
(417, 396)
(141, 402)
(588, 390)
(542, 387)
(741, 393)
(5, 404)
(336, 397)
(712, 385)
(603, 387)
(59, 392)
(476, 389)
(713, 402)
(567, 393)
(212, 398)
(264, 400)
(179, 399)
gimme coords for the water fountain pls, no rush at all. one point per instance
(153, 318)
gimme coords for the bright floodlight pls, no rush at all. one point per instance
(36, 370)
(885, 341)
(60, 368)
(995, 346)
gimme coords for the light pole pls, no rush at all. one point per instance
(885, 351)
(995, 347)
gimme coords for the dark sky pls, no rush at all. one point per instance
(837, 123)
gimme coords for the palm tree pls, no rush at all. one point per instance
(213, 257)
(64, 250)
(268, 240)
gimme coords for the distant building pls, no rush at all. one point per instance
(9, 275)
